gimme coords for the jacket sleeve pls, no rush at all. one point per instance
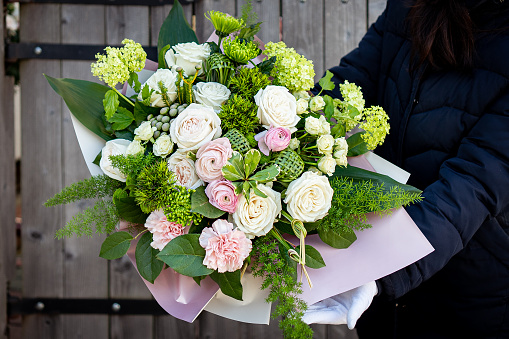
(473, 187)
(362, 65)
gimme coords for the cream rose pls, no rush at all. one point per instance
(163, 146)
(145, 131)
(195, 126)
(309, 197)
(211, 94)
(302, 106)
(188, 56)
(294, 144)
(184, 170)
(256, 216)
(327, 164)
(340, 151)
(162, 81)
(325, 144)
(113, 147)
(135, 147)
(316, 103)
(301, 95)
(277, 108)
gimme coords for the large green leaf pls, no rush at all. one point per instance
(229, 283)
(233, 170)
(200, 204)
(115, 246)
(121, 119)
(251, 160)
(175, 29)
(267, 174)
(313, 257)
(148, 265)
(336, 239)
(185, 255)
(127, 207)
(356, 145)
(326, 83)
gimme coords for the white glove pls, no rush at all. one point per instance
(344, 308)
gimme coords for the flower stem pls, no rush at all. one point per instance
(123, 96)
(275, 233)
(140, 234)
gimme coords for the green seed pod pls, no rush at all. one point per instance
(157, 134)
(159, 117)
(164, 110)
(165, 119)
(149, 117)
(154, 122)
(166, 127)
(163, 133)
(159, 125)
(174, 105)
(173, 112)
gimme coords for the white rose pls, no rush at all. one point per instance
(327, 164)
(162, 81)
(145, 131)
(325, 126)
(163, 146)
(188, 56)
(313, 126)
(301, 95)
(340, 152)
(316, 103)
(135, 147)
(184, 170)
(211, 94)
(325, 144)
(194, 126)
(256, 216)
(277, 108)
(309, 197)
(294, 144)
(113, 147)
(302, 106)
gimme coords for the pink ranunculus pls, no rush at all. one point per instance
(221, 194)
(275, 139)
(211, 157)
(225, 248)
(163, 231)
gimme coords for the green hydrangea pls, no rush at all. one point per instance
(240, 51)
(376, 126)
(352, 95)
(291, 70)
(118, 63)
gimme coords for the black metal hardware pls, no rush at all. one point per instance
(106, 2)
(17, 51)
(20, 306)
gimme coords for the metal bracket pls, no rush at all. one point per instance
(24, 50)
(106, 2)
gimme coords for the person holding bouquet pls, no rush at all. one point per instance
(439, 68)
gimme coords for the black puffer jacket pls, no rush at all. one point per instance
(451, 132)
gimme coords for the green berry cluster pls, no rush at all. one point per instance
(162, 120)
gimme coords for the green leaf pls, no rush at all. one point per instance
(161, 57)
(233, 170)
(266, 66)
(175, 29)
(97, 159)
(329, 106)
(246, 189)
(127, 207)
(325, 83)
(334, 239)
(238, 186)
(356, 145)
(121, 119)
(141, 112)
(352, 111)
(200, 204)
(199, 279)
(185, 255)
(313, 257)
(229, 283)
(251, 160)
(110, 103)
(134, 82)
(338, 131)
(267, 174)
(283, 252)
(116, 245)
(248, 32)
(256, 190)
(148, 265)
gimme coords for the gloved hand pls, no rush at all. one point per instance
(344, 308)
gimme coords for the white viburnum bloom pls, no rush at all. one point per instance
(145, 131)
(301, 95)
(188, 55)
(163, 146)
(164, 89)
(340, 151)
(316, 103)
(309, 197)
(113, 147)
(277, 108)
(135, 147)
(211, 94)
(294, 144)
(327, 164)
(195, 126)
(184, 170)
(256, 217)
(325, 144)
(302, 106)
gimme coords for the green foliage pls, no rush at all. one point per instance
(239, 113)
(116, 245)
(248, 81)
(98, 186)
(229, 283)
(148, 265)
(200, 204)
(100, 218)
(132, 165)
(278, 276)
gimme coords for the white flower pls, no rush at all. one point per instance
(184, 170)
(113, 147)
(325, 127)
(194, 126)
(313, 126)
(302, 106)
(325, 144)
(294, 144)
(277, 108)
(316, 103)
(340, 151)
(211, 94)
(188, 56)
(256, 216)
(301, 95)
(162, 81)
(135, 147)
(163, 146)
(145, 131)
(327, 164)
(309, 197)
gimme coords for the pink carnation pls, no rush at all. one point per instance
(221, 194)
(275, 139)
(163, 231)
(225, 248)
(211, 158)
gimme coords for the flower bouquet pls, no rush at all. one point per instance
(215, 165)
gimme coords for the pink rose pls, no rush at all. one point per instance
(211, 158)
(225, 248)
(221, 194)
(163, 231)
(275, 139)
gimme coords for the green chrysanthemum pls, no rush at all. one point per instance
(223, 23)
(240, 51)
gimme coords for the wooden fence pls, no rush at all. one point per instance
(322, 30)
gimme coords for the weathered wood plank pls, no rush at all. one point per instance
(341, 331)
(375, 8)
(203, 26)
(42, 257)
(170, 327)
(86, 275)
(269, 12)
(157, 16)
(303, 30)
(129, 22)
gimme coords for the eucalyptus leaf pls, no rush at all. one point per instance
(148, 265)
(200, 204)
(251, 160)
(229, 283)
(116, 245)
(313, 257)
(110, 103)
(356, 145)
(336, 239)
(325, 83)
(267, 174)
